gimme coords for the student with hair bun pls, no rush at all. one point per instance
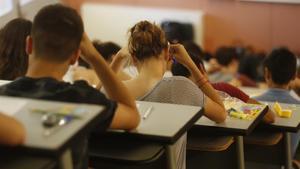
(150, 53)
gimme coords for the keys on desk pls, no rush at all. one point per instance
(54, 119)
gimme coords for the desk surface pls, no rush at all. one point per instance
(56, 142)
(232, 126)
(166, 124)
(291, 124)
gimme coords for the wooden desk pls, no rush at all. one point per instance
(58, 144)
(232, 126)
(163, 127)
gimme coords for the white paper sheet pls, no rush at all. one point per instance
(10, 106)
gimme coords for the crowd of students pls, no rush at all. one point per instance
(37, 55)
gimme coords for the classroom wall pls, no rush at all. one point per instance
(262, 25)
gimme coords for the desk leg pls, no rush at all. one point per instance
(66, 160)
(240, 151)
(288, 151)
(170, 157)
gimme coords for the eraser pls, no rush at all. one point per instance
(277, 108)
(287, 113)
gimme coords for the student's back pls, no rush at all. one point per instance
(279, 71)
(150, 53)
(176, 90)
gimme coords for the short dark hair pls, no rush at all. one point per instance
(195, 52)
(57, 32)
(225, 55)
(107, 49)
(282, 64)
(13, 56)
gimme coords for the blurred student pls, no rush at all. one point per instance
(84, 72)
(13, 56)
(56, 40)
(228, 60)
(195, 54)
(12, 132)
(150, 54)
(280, 70)
(108, 50)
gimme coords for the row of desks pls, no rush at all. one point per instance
(164, 126)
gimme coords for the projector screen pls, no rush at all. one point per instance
(275, 1)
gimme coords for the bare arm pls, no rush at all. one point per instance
(12, 132)
(269, 117)
(214, 108)
(126, 115)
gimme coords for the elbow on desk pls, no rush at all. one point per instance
(222, 117)
(216, 116)
(15, 137)
(134, 123)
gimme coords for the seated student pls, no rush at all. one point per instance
(56, 40)
(229, 64)
(12, 132)
(85, 72)
(150, 53)
(108, 50)
(13, 56)
(280, 70)
(180, 70)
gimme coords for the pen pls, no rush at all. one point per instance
(148, 112)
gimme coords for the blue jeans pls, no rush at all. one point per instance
(295, 138)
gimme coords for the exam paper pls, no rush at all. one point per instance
(10, 106)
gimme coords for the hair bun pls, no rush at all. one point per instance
(146, 40)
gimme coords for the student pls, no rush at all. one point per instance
(13, 57)
(108, 50)
(12, 132)
(195, 54)
(56, 41)
(84, 72)
(280, 70)
(150, 53)
(229, 62)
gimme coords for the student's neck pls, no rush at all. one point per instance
(42, 68)
(276, 86)
(152, 70)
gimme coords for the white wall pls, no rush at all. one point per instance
(112, 22)
(10, 15)
(27, 11)
(30, 9)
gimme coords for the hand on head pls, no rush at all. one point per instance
(88, 51)
(180, 54)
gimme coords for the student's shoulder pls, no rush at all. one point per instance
(177, 79)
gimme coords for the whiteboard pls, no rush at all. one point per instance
(112, 22)
(275, 1)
